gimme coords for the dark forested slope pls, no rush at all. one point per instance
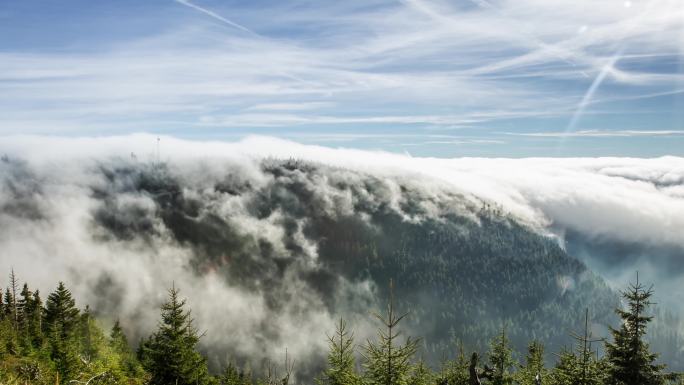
(463, 268)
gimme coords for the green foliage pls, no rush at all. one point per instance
(577, 369)
(341, 362)
(60, 323)
(455, 372)
(127, 363)
(533, 370)
(232, 376)
(60, 344)
(169, 354)
(421, 374)
(386, 361)
(630, 361)
(501, 359)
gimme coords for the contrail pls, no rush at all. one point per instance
(586, 99)
(217, 17)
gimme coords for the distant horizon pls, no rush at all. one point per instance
(149, 141)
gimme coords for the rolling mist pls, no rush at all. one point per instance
(246, 229)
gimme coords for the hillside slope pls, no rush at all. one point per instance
(463, 269)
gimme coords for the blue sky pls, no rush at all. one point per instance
(431, 78)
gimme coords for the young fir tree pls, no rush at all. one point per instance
(629, 360)
(590, 369)
(7, 306)
(34, 317)
(533, 372)
(126, 359)
(421, 374)
(14, 311)
(232, 376)
(501, 359)
(117, 339)
(24, 309)
(456, 371)
(567, 369)
(169, 354)
(341, 362)
(387, 362)
(61, 324)
(7, 338)
(93, 342)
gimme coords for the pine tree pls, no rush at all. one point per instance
(567, 369)
(589, 367)
(421, 374)
(88, 337)
(7, 338)
(118, 340)
(14, 313)
(35, 319)
(629, 360)
(8, 334)
(60, 311)
(61, 322)
(533, 371)
(169, 354)
(7, 306)
(24, 304)
(24, 309)
(456, 371)
(341, 364)
(501, 359)
(119, 344)
(231, 376)
(388, 363)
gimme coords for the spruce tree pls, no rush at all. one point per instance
(501, 359)
(92, 339)
(630, 361)
(24, 304)
(341, 366)
(456, 371)
(589, 366)
(231, 376)
(533, 371)
(387, 362)
(169, 354)
(35, 319)
(8, 306)
(118, 340)
(567, 370)
(14, 286)
(421, 374)
(25, 309)
(61, 326)
(119, 344)
(61, 313)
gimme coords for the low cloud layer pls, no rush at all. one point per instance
(73, 205)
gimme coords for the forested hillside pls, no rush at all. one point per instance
(288, 247)
(462, 267)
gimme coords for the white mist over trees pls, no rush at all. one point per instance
(271, 244)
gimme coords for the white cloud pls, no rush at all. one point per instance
(600, 133)
(625, 198)
(495, 60)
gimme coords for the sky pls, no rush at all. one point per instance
(486, 78)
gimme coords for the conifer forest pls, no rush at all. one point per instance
(54, 341)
